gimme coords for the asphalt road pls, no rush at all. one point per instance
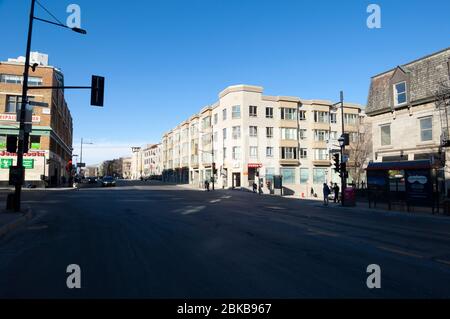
(142, 240)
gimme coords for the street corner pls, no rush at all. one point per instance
(9, 221)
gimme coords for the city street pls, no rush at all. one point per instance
(148, 240)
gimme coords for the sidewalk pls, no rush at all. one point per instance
(11, 220)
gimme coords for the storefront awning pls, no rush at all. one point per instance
(402, 165)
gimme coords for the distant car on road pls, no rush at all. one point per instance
(92, 180)
(108, 181)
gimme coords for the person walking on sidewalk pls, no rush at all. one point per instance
(207, 185)
(336, 193)
(326, 192)
(254, 187)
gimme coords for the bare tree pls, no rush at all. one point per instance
(360, 152)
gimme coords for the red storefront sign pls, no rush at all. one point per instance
(31, 154)
(255, 165)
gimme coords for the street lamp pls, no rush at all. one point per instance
(25, 130)
(81, 152)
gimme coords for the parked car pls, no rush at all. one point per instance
(108, 181)
(92, 180)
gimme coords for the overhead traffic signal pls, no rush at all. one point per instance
(336, 163)
(97, 90)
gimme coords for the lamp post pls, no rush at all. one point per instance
(25, 130)
(343, 140)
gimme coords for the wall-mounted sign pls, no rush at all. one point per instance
(28, 163)
(29, 154)
(12, 118)
(5, 163)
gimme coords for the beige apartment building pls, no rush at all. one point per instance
(407, 123)
(251, 136)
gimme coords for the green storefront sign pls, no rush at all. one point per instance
(28, 163)
(5, 163)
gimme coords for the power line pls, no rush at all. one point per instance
(45, 9)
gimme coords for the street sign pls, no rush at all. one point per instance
(80, 165)
(41, 104)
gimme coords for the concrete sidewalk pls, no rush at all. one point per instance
(11, 220)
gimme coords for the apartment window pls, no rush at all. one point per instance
(302, 134)
(321, 117)
(288, 133)
(13, 103)
(426, 129)
(288, 153)
(2, 142)
(288, 175)
(206, 122)
(302, 116)
(385, 134)
(269, 151)
(236, 153)
(236, 113)
(353, 137)
(216, 137)
(321, 135)
(400, 93)
(304, 175)
(303, 153)
(17, 79)
(216, 119)
(333, 118)
(334, 135)
(269, 132)
(253, 111)
(269, 112)
(236, 132)
(321, 154)
(253, 131)
(350, 119)
(288, 114)
(194, 129)
(224, 153)
(224, 114)
(224, 133)
(319, 175)
(253, 151)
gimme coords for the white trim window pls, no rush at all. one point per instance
(321, 135)
(236, 113)
(303, 153)
(288, 114)
(385, 134)
(224, 114)
(269, 151)
(253, 131)
(288, 133)
(400, 95)
(253, 111)
(321, 154)
(236, 153)
(426, 129)
(269, 132)
(236, 132)
(288, 153)
(253, 151)
(269, 112)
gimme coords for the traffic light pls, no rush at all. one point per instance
(26, 143)
(214, 168)
(97, 90)
(336, 162)
(69, 166)
(11, 143)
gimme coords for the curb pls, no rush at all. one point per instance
(26, 216)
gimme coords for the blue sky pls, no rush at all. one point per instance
(164, 60)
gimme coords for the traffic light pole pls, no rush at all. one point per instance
(21, 143)
(343, 167)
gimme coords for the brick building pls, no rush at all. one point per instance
(50, 146)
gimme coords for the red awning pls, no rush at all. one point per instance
(254, 165)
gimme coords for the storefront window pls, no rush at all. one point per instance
(288, 175)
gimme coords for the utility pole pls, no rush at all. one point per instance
(343, 169)
(22, 133)
(212, 153)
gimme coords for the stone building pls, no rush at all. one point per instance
(406, 122)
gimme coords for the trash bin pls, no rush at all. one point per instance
(350, 197)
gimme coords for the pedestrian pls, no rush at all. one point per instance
(326, 192)
(336, 193)
(312, 192)
(260, 188)
(254, 187)
(207, 185)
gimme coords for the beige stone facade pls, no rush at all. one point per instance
(252, 137)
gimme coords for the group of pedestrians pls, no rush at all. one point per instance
(258, 187)
(327, 191)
